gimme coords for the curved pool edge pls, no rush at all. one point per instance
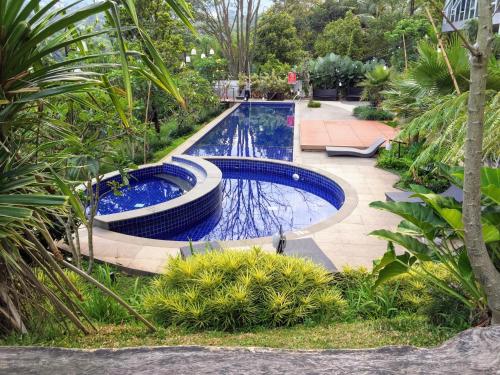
(147, 255)
(205, 194)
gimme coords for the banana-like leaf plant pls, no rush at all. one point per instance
(432, 231)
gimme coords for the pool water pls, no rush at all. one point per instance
(138, 194)
(256, 204)
(259, 130)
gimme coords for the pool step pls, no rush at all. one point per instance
(180, 182)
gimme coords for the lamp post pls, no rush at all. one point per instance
(279, 241)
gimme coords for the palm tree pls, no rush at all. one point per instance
(33, 69)
(425, 98)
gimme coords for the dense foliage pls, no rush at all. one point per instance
(241, 289)
(66, 96)
(333, 71)
(343, 37)
(439, 222)
(276, 39)
(372, 113)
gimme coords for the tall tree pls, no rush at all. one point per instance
(480, 260)
(231, 22)
(276, 37)
(343, 37)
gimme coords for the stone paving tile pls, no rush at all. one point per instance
(341, 132)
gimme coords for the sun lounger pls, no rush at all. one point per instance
(404, 196)
(352, 151)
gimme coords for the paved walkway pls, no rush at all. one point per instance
(475, 351)
(345, 243)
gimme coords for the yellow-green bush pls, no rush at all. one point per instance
(242, 289)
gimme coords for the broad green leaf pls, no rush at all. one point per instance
(408, 228)
(490, 182)
(490, 233)
(15, 212)
(399, 266)
(421, 216)
(420, 189)
(417, 248)
(33, 200)
(452, 217)
(388, 257)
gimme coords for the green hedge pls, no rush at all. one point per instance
(313, 104)
(372, 113)
(241, 289)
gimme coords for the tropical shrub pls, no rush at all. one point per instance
(374, 84)
(442, 128)
(272, 84)
(241, 289)
(200, 100)
(372, 113)
(433, 233)
(95, 304)
(333, 70)
(313, 104)
(211, 69)
(401, 296)
(35, 36)
(428, 79)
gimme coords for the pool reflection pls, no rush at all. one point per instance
(252, 130)
(255, 205)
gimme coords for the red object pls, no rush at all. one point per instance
(292, 78)
(290, 121)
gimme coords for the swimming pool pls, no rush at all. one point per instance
(255, 198)
(138, 194)
(256, 204)
(259, 130)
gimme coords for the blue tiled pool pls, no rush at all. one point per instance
(259, 130)
(258, 197)
(138, 194)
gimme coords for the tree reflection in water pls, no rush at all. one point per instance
(252, 130)
(255, 205)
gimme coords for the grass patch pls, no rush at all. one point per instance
(372, 113)
(160, 154)
(406, 330)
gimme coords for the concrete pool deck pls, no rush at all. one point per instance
(345, 242)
